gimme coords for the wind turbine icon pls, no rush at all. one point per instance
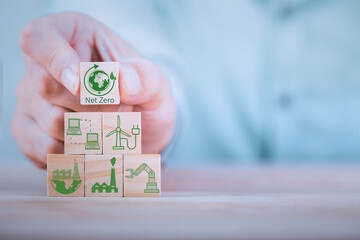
(118, 132)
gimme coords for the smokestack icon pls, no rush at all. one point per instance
(104, 187)
(112, 178)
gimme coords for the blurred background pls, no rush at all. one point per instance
(255, 81)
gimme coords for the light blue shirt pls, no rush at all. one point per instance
(277, 81)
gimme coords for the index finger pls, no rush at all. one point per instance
(47, 41)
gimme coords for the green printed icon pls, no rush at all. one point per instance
(97, 82)
(73, 126)
(92, 141)
(135, 131)
(104, 187)
(60, 176)
(151, 185)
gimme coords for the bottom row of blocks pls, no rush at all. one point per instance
(104, 175)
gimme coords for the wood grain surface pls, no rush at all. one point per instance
(135, 185)
(129, 122)
(198, 203)
(108, 68)
(90, 123)
(98, 170)
(63, 162)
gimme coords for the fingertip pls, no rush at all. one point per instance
(70, 80)
(26, 35)
(130, 84)
(77, 91)
(141, 81)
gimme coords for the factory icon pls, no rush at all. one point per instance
(60, 177)
(105, 187)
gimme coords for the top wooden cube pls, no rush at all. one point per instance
(99, 83)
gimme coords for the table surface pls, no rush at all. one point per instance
(198, 203)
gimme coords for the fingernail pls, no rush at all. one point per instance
(70, 79)
(130, 79)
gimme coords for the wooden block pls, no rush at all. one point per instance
(104, 176)
(83, 133)
(65, 175)
(99, 83)
(142, 175)
(122, 133)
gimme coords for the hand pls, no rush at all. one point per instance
(53, 47)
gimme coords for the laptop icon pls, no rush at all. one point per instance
(73, 126)
(92, 141)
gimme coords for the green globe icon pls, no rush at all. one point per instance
(99, 80)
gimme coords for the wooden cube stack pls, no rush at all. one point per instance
(103, 150)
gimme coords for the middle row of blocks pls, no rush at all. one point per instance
(102, 133)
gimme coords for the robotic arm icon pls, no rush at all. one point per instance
(151, 185)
